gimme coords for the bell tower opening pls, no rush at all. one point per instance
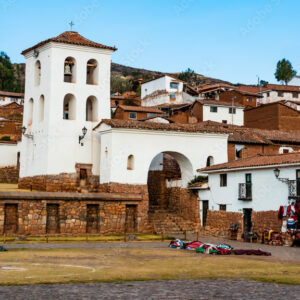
(70, 70)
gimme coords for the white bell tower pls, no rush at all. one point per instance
(67, 93)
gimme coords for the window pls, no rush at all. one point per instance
(172, 97)
(224, 121)
(92, 72)
(91, 109)
(232, 110)
(280, 94)
(268, 94)
(69, 107)
(209, 161)
(149, 115)
(37, 73)
(130, 162)
(295, 95)
(41, 108)
(249, 99)
(174, 85)
(286, 151)
(132, 115)
(223, 179)
(222, 207)
(214, 109)
(30, 112)
(69, 70)
(248, 178)
(238, 151)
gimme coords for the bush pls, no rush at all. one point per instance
(5, 138)
(199, 178)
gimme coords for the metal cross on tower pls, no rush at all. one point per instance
(71, 25)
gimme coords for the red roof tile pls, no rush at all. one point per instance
(71, 37)
(11, 94)
(140, 109)
(256, 161)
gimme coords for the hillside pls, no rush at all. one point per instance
(126, 78)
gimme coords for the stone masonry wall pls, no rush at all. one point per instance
(72, 216)
(9, 175)
(218, 222)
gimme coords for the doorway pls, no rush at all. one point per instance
(83, 177)
(247, 224)
(130, 219)
(204, 212)
(92, 218)
(298, 182)
(11, 218)
(52, 225)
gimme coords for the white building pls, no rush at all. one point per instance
(222, 112)
(9, 154)
(67, 89)
(167, 90)
(251, 184)
(10, 97)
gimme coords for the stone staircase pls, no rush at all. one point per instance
(169, 223)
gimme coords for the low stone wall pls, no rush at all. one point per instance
(64, 182)
(185, 203)
(9, 175)
(265, 219)
(218, 222)
(38, 213)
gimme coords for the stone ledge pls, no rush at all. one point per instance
(69, 196)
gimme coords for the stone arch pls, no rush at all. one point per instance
(41, 108)
(37, 73)
(130, 162)
(167, 169)
(69, 107)
(70, 69)
(92, 109)
(209, 161)
(92, 71)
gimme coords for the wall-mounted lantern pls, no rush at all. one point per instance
(30, 136)
(81, 137)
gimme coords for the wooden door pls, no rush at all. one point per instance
(204, 211)
(130, 222)
(11, 218)
(92, 218)
(247, 223)
(52, 225)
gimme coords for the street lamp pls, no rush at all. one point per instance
(81, 137)
(277, 172)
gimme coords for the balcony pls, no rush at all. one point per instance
(245, 191)
(294, 189)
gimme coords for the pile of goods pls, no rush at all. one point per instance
(206, 248)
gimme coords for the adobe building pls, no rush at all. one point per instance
(275, 115)
(130, 112)
(243, 98)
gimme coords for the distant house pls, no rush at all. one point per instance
(293, 103)
(249, 191)
(244, 98)
(275, 115)
(126, 112)
(209, 110)
(273, 92)
(127, 98)
(167, 90)
(212, 91)
(10, 97)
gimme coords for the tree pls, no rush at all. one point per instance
(120, 85)
(187, 76)
(284, 71)
(263, 82)
(7, 77)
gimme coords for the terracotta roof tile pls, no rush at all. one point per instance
(256, 161)
(71, 37)
(198, 127)
(220, 103)
(11, 94)
(140, 109)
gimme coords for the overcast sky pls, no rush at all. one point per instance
(232, 40)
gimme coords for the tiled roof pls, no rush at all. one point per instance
(280, 136)
(11, 94)
(132, 124)
(71, 37)
(282, 102)
(250, 88)
(207, 87)
(140, 109)
(256, 161)
(280, 87)
(220, 103)
(247, 136)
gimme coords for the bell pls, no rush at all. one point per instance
(68, 70)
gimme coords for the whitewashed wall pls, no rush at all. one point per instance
(268, 193)
(189, 149)
(6, 100)
(273, 97)
(55, 148)
(8, 155)
(223, 114)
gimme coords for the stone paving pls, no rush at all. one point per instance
(185, 289)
